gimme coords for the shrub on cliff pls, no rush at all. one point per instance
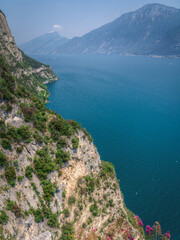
(3, 217)
(10, 175)
(28, 172)
(67, 232)
(3, 159)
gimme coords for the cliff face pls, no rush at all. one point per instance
(27, 70)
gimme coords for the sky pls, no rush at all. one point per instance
(31, 18)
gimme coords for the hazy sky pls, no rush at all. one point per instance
(31, 18)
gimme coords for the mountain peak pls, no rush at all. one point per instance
(157, 8)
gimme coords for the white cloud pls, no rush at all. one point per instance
(57, 28)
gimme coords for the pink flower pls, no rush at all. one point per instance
(147, 231)
(167, 234)
(131, 238)
(108, 238)
(94, 229)
(148, 227)
(151, 229)
(140, 223)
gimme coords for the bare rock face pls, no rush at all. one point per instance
(23, 67)
(44, 236)
(8, 46)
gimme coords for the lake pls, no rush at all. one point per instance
(131, 106)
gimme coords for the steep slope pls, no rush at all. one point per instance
(44, 45)
(27, 70)
(53, 184)
(142, 32)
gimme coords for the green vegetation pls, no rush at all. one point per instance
(49, 190)
(13, 207)
(94, 209)
(3, 159)
(71, 200)
(53, 221)
(59, 127)
(66, 213)
(38, 214)
(19, 149)
(107, 169)
(90, 183)
(75, 142)
(62, 157)
(67, 232)
(28, 172)
(43, 164)
(6, 144)
(10, 175)
(3, 217)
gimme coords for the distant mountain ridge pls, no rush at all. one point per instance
(153, 29)
(44, 44)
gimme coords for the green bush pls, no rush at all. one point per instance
(29, 171)
(13, 207)
(67, 232)
(62, 157)
(38, 214)
(61, 143)
(107, 169)
(10, 205)
(23, 134)
(3, 159)
(75, 142)
(66, 213)
(94, 209)
(10, 175)
(6, 144)
(71, 200)
(3, 217)
(43, 166)
(90, 183)
(53, 221)
(19, 149)
(58, 127)
(49, 190)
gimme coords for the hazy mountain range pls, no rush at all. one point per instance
(44, 44)
(153, 29)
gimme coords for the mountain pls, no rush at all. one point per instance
(153, 29)
(44, 45)
(53, 184)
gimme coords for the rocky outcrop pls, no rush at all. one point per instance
(29, 71)
(8, 46)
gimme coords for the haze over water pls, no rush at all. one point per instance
(131, 106)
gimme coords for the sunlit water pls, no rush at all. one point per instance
(131, 106)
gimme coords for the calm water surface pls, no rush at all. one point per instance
(131, 106)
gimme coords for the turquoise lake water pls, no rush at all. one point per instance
(131, 106)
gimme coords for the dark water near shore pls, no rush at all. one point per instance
(131, 106)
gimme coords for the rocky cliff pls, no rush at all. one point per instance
(27, 70)
(53, 184)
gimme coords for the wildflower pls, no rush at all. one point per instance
(94, 229)
(148, 227)
(151, 229)
(131, 238)
(147, 231)
(167, 234)
(108, 238)
(140, 223)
